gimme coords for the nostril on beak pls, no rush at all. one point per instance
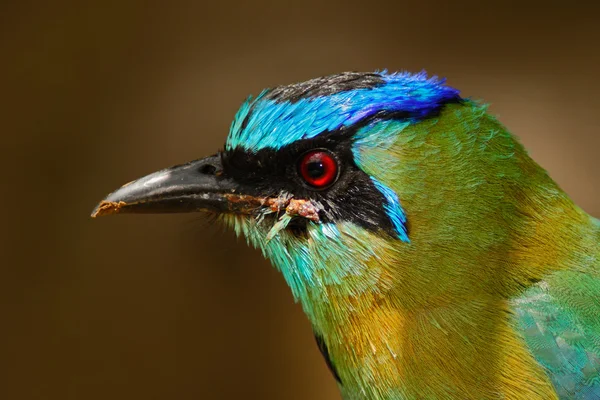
(208, 169)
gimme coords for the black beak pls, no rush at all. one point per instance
(197, 185)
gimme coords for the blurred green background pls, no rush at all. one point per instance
(94, 94)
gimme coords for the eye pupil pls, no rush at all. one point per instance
(315, 169)
(318, 168)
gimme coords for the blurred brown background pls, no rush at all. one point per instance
(165, 307)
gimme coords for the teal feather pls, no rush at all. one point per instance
(332, 254)
(560, 322)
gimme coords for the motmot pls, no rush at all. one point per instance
(433, 257)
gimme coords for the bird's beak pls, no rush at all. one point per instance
(195, 186)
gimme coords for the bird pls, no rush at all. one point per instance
(433, 257)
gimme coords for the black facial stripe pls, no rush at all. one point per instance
(353, 197)
(325, 86)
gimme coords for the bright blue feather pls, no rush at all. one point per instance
(393, 209)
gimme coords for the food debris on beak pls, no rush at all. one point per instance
(303, 208)
(107, 208)
(245, 204)
(293, 208)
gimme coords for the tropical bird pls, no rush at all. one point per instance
(433, 257)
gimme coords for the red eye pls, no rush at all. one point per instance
(318, 168)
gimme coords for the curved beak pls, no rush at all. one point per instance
(197, 185)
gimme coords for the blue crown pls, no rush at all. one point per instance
(275, 118)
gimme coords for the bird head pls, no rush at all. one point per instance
(358, 184)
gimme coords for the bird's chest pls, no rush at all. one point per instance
(441, 354)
